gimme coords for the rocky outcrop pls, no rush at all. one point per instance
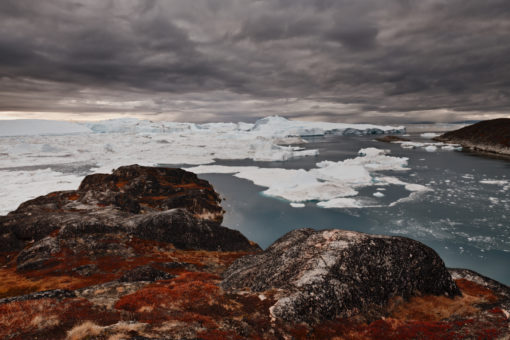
(327, 274)
(157, 204)
(492, 136)
(137, 190)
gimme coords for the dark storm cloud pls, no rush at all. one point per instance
(232, 59)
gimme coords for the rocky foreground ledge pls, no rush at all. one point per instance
(141, 254)
(489, 136)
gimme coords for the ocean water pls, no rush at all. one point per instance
(464, 218)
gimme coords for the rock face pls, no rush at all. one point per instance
(491, 136)
(327, 274)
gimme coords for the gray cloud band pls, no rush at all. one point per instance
(226, 59)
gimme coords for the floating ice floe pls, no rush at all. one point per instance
(504, 184)
(297, 205)
(332, 184)
(430, 147)
(494, 181)
(430, 135)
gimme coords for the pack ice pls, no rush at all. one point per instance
(74, 150)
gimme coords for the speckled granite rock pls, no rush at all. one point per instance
(336, 273)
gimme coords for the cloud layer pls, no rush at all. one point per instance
(211, 60)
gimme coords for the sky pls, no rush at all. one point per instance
(379, 61)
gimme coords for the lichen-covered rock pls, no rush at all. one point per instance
(135, 189)
(326, 274)
(491, 136)
(108, 211)
(163, 204)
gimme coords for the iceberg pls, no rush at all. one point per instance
(277, 126)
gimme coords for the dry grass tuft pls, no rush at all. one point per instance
(84, 330)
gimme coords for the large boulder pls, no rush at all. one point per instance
(321, 275)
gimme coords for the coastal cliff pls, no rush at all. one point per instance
(491, 136)
(141, 253)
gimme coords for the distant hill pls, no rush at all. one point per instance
(487, 136)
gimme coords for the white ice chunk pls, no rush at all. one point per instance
(345, 203)
(494, 182)
(430, 135)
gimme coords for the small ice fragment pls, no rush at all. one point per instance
(431, 148)
(378, 194)
(430, 135)
(297, 205)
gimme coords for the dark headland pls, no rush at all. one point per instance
(141, 254)
(488, 136)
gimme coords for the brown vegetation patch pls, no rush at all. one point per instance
(437, 308)
(121, 184)
(73, 197)
(48, 318)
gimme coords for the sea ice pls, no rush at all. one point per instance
(19, 186)
(103, 146)
(332, 184)
(430, 147)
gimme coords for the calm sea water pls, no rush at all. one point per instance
(465, 221)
